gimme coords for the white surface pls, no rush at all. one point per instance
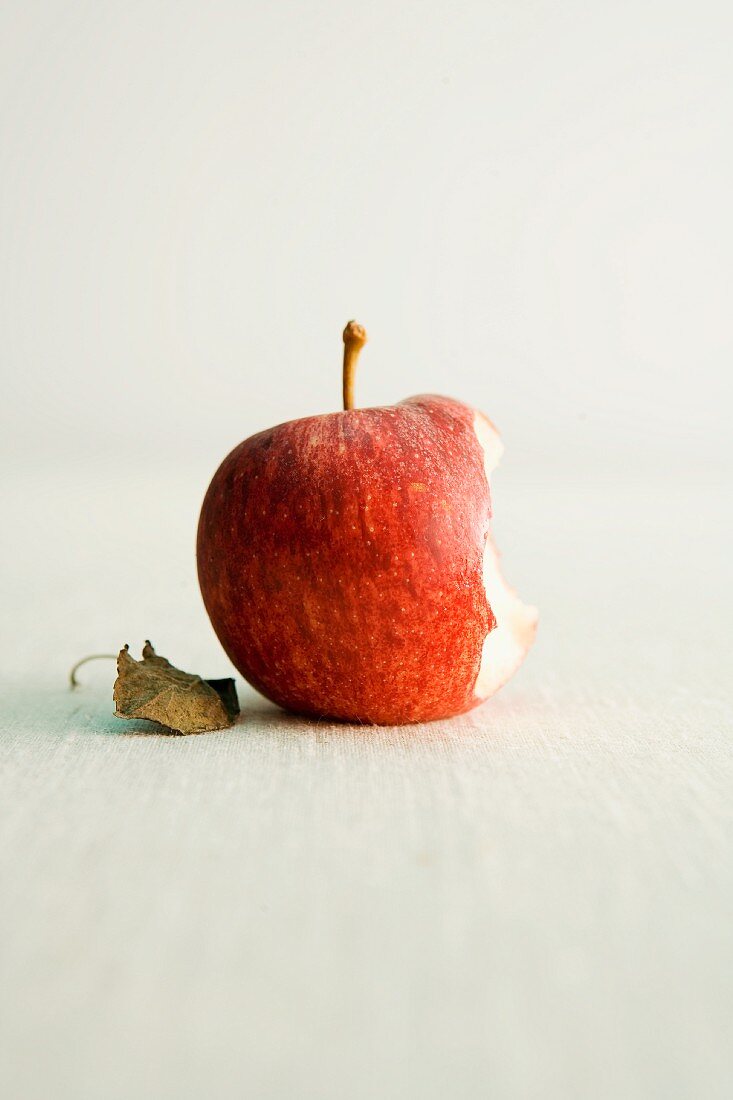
(532, 901)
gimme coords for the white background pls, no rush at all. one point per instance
(529, 207)
(527, 204)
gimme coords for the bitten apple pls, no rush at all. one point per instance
(346, 563)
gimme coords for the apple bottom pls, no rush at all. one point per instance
(420, 672)
(390, 657)
(383, 690)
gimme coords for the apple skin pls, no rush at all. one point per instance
(340, 562)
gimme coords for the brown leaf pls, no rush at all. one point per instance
(154, 689)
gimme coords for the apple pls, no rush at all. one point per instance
(346, 564)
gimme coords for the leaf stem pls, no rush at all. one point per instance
(73, 682)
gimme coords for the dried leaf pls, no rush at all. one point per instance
(155, 689)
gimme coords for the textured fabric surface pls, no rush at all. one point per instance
(535, 900)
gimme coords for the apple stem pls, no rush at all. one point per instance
(355, 338)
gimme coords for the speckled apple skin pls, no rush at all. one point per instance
(340, 561)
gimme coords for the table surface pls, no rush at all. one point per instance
(533, 900)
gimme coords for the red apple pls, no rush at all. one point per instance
(346, 564)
